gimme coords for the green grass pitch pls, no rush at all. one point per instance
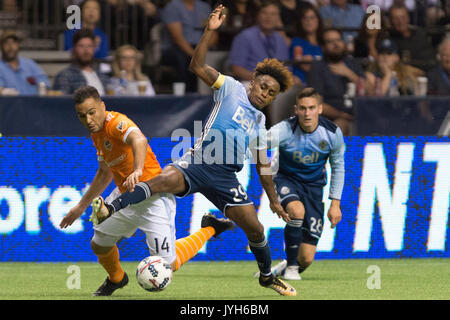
(399, 279)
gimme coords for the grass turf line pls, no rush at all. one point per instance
(400, 279)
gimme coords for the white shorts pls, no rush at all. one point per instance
(155, 216)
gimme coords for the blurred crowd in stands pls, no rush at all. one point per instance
(342, 48)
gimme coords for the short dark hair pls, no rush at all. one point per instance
(81, 34)
(266, 3)
(277, 70)
(309, 92)
(84, 93)
(326, 30)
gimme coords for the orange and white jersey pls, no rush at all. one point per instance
(117, 154)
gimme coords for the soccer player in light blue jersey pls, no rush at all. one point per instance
(234, 126)
(305, 142)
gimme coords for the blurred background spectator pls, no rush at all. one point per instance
(389, 75)
(341, 14)
(90, 17)
(438, 77)
(258, 42)
(184, 21)
(331, 76)
(128, 78)
(82, 71)
(8, 5)
(240, 15)
(414, 45)
(365, 45)
(130, 20)
(289, 10)
(305, 46)
(18, 75)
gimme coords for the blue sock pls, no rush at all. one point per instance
(141, 192)
(261, 251)
(293, 238)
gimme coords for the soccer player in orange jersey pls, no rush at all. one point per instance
(125, 156)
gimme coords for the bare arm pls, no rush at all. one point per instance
(265, 176)
(198, 66)
(138, 144)
(102, 179)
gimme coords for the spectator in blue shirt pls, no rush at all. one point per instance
(305, 46)
(185, 21)
(90, 16)
(20, 75)
(256, 43)
(340, 14)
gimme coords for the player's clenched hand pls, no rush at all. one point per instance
(278, 209)
(132, 180)
(335, 215)
(70, 217)
(216, 18)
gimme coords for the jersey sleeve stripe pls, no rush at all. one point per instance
(130, 129)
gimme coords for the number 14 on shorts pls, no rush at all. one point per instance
(164, 245)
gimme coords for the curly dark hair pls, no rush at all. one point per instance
(277, 70)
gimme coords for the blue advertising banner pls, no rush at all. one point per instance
(395, 202)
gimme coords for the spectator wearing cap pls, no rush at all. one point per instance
(439, 77)
(414, 46)
(387, 65)
(19, 75)
(258, 42)
(82, 71)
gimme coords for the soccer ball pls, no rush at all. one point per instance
(154, 273)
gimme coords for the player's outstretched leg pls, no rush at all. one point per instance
(186, 248)
(170, 180)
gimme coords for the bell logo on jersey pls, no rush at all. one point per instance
(247, 124)
(298, 157)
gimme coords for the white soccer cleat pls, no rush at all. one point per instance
(276, 270)
(291, 273)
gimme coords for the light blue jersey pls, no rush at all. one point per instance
(303, 156)
(233, 126)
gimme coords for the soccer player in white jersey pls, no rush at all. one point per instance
(305, 142)
(236, 119)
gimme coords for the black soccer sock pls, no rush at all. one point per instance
(261, 251)
(292, 239)
(141, 192)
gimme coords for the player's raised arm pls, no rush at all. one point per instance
(198, 66)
